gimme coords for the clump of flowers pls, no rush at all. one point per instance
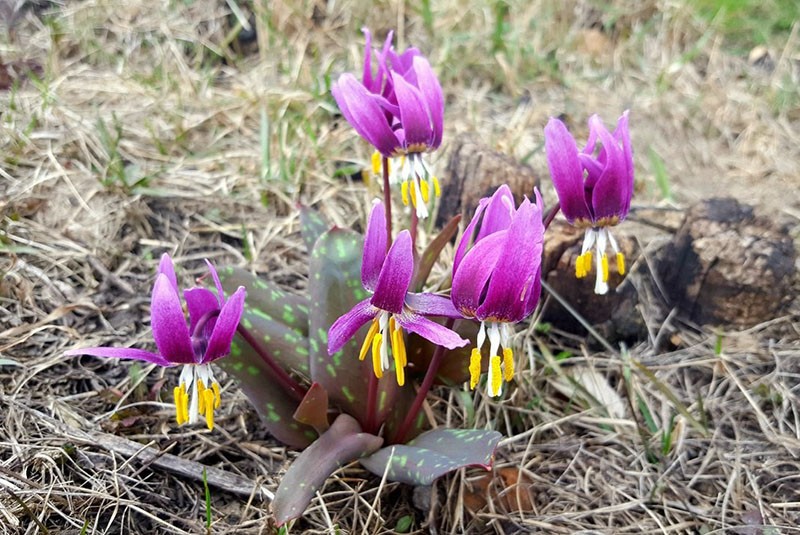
(594, 187)
(295, 355)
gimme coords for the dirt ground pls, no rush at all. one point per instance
(129, 131)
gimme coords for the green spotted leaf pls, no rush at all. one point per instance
(312, 226)
(342, 443)
(434, 454)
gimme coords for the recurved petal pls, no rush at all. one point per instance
(622, 135)
(217, 283)
(199, 301)
(534, 294)
(363, 111)
(565, 168)
(611, 194)
(120, 353)
(344, 328)
(513, 277)
(432, 305)
(432, 92)
(396, 274)
(169, 325)
(414, 117)
(375, 244)
(366, 77)
(499, 212)
(469, 235)
(219, 345)
(430, 330)
(475, 269)
(165, 266)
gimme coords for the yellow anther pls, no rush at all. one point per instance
(404, 192)
(604, 262)
(621, 263)
(580, 272)
(587, 262)
(412, 193)
(508, 364)
(368, 340)
(474, 367)
(208, 400)
(217, 395)
(437, 190)
(495, 376)
(376, 163)
(184, 404)
(201, 399)
(178, 397)
(376, 355)
(424, 189)
(399, 354)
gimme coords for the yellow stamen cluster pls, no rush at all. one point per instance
(497, 373)
(373, 343)
(409, 193)
(208, 400)
(583, 265)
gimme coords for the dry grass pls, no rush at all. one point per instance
(144, 136)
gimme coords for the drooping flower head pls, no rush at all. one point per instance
(497, 277)
(212, 324)
(399, 109)
(391, 308)
(594, 187)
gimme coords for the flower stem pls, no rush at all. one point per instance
(413, 230)
(387, 200)
(283, 378)
(422, 393)
(551, 215)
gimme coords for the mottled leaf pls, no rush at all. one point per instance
(312, 226)
(274, 403)
(432, 252)
(342, 443)
(313, 410)
(433, 454)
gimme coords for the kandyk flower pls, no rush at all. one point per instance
(212, 325)
(497, 277)
(399, 110)
(391, 308)
(594, 187)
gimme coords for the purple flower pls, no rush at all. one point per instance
(399, 109)
(212, 325)
(594, 187)
(497, 277)
(391, 308)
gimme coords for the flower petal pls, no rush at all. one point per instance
(169, 325)
(499, 212)
(432, 92)
(165, 266)
(513, 276)
(475, 269)
(363, 111)
(414, 116)
(430, 330)
(375, 244)
(395, 276)
(344, 328)
(120, 353)
(432, 305)
(199, 301)
(468, 237)
(219, 344)
(611, 193)
(217, 282)
(566, 170)
(622, 134)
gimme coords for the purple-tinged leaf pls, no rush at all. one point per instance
(434, 454)
(342, 443)
(313, 410)
(431, 253)
(312, 226)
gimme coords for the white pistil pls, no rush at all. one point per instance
(494, 387)
(383, 322)
(601, 283)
